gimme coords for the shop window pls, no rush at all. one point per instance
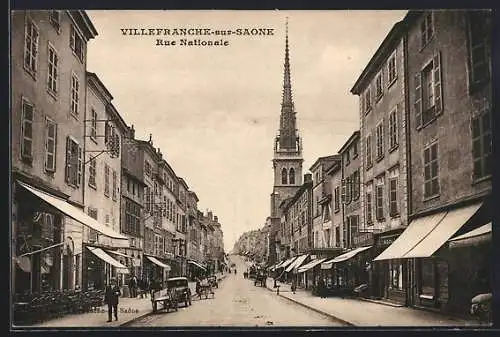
(396, 275)
(427, 279)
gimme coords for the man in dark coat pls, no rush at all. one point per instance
(132, 284)
(111, 298)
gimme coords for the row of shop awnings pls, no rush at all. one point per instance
(425, 235)
(344, 257)
(196, 264)
(158, 262)
(73, 212)
(120, 268)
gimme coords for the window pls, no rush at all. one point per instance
(392, 72)
(148, 199)
(481, 145)
(355, 185)
(343, 197)
(396, 275)
(380, 139)
(380, 202)
(337, 199)
(27, 130)
(76, 43)
(431, 179)
(426, 29)
(55, 19)
(75, 91)
(428, 94)
(353, 222)
(393, 129)
(93, 124)
(115, 185)
(367, 100)
(318, 208)
(337, 236)
(393, 197)
(53, 70)
(92, 172)
(92, 233)
(283, 176)
(378, 86)
(50, 145)
(106, 180)
(427, 278)
(74, 162)
(30, 46)
(369, 159)
(479, 29)
(348, 190)
(152, 202)
(291, 178)
(354, 149)
(147, 169)
(347, 158)
(164, 205)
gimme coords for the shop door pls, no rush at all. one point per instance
(410, 285)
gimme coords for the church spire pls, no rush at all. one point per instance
(288, 139)
(287, 85)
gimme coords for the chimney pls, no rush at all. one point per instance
(151, 139)
(131, 131)
(216, 219)
(160, 154)
(307, 178)
(210, 215)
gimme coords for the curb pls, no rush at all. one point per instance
(315, 309)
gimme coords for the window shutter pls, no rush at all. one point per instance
(80, 165)
(438, 99)
(342, 198)
(68, 159)
(418, 99)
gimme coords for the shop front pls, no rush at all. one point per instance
(429, 265)
(47, 232)
(195, 270)
(291, 271)
(311, 271)
(346, 271)
(155, 270)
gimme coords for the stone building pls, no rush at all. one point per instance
(104, 131)
(48, 71)
(321, 234)
(383, 171)
(132, 201)
(449, 93)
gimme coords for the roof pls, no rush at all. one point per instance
(321, 160)
(183, 183)
(378, 58)
(334, 168)
(194, 195)
(354, 136)
(99, 84)
(149, 146)
(297, 194)
(84, 22)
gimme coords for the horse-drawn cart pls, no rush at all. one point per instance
(204, 288)
(167, 299)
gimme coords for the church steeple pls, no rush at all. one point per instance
(288, 138)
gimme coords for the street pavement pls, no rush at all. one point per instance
(368, 314)
(238, 302)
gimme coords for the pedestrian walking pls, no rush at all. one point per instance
(132, 285)
(111, 299)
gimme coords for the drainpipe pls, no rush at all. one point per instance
(83, 262)
(407, 130)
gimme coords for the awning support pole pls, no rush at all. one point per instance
(40, 250)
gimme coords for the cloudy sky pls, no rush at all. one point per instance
(214, 111)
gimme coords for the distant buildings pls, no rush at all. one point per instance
(90, 201)
(407, 209)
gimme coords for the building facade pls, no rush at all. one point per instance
(49, 59)
(321, 233)
(132, 202)
(450, 96)
(104, 131)
(383, 168)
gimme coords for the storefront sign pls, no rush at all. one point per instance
(387, 240)
(363, 239)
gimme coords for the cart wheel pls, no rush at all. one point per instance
(155, 308)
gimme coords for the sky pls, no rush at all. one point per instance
(214, 110)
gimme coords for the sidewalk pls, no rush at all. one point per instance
(129, 309)
(363, 313)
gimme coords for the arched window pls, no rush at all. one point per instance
(291, 179)
(283, 176)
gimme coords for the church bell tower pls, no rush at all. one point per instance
(287, 160)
